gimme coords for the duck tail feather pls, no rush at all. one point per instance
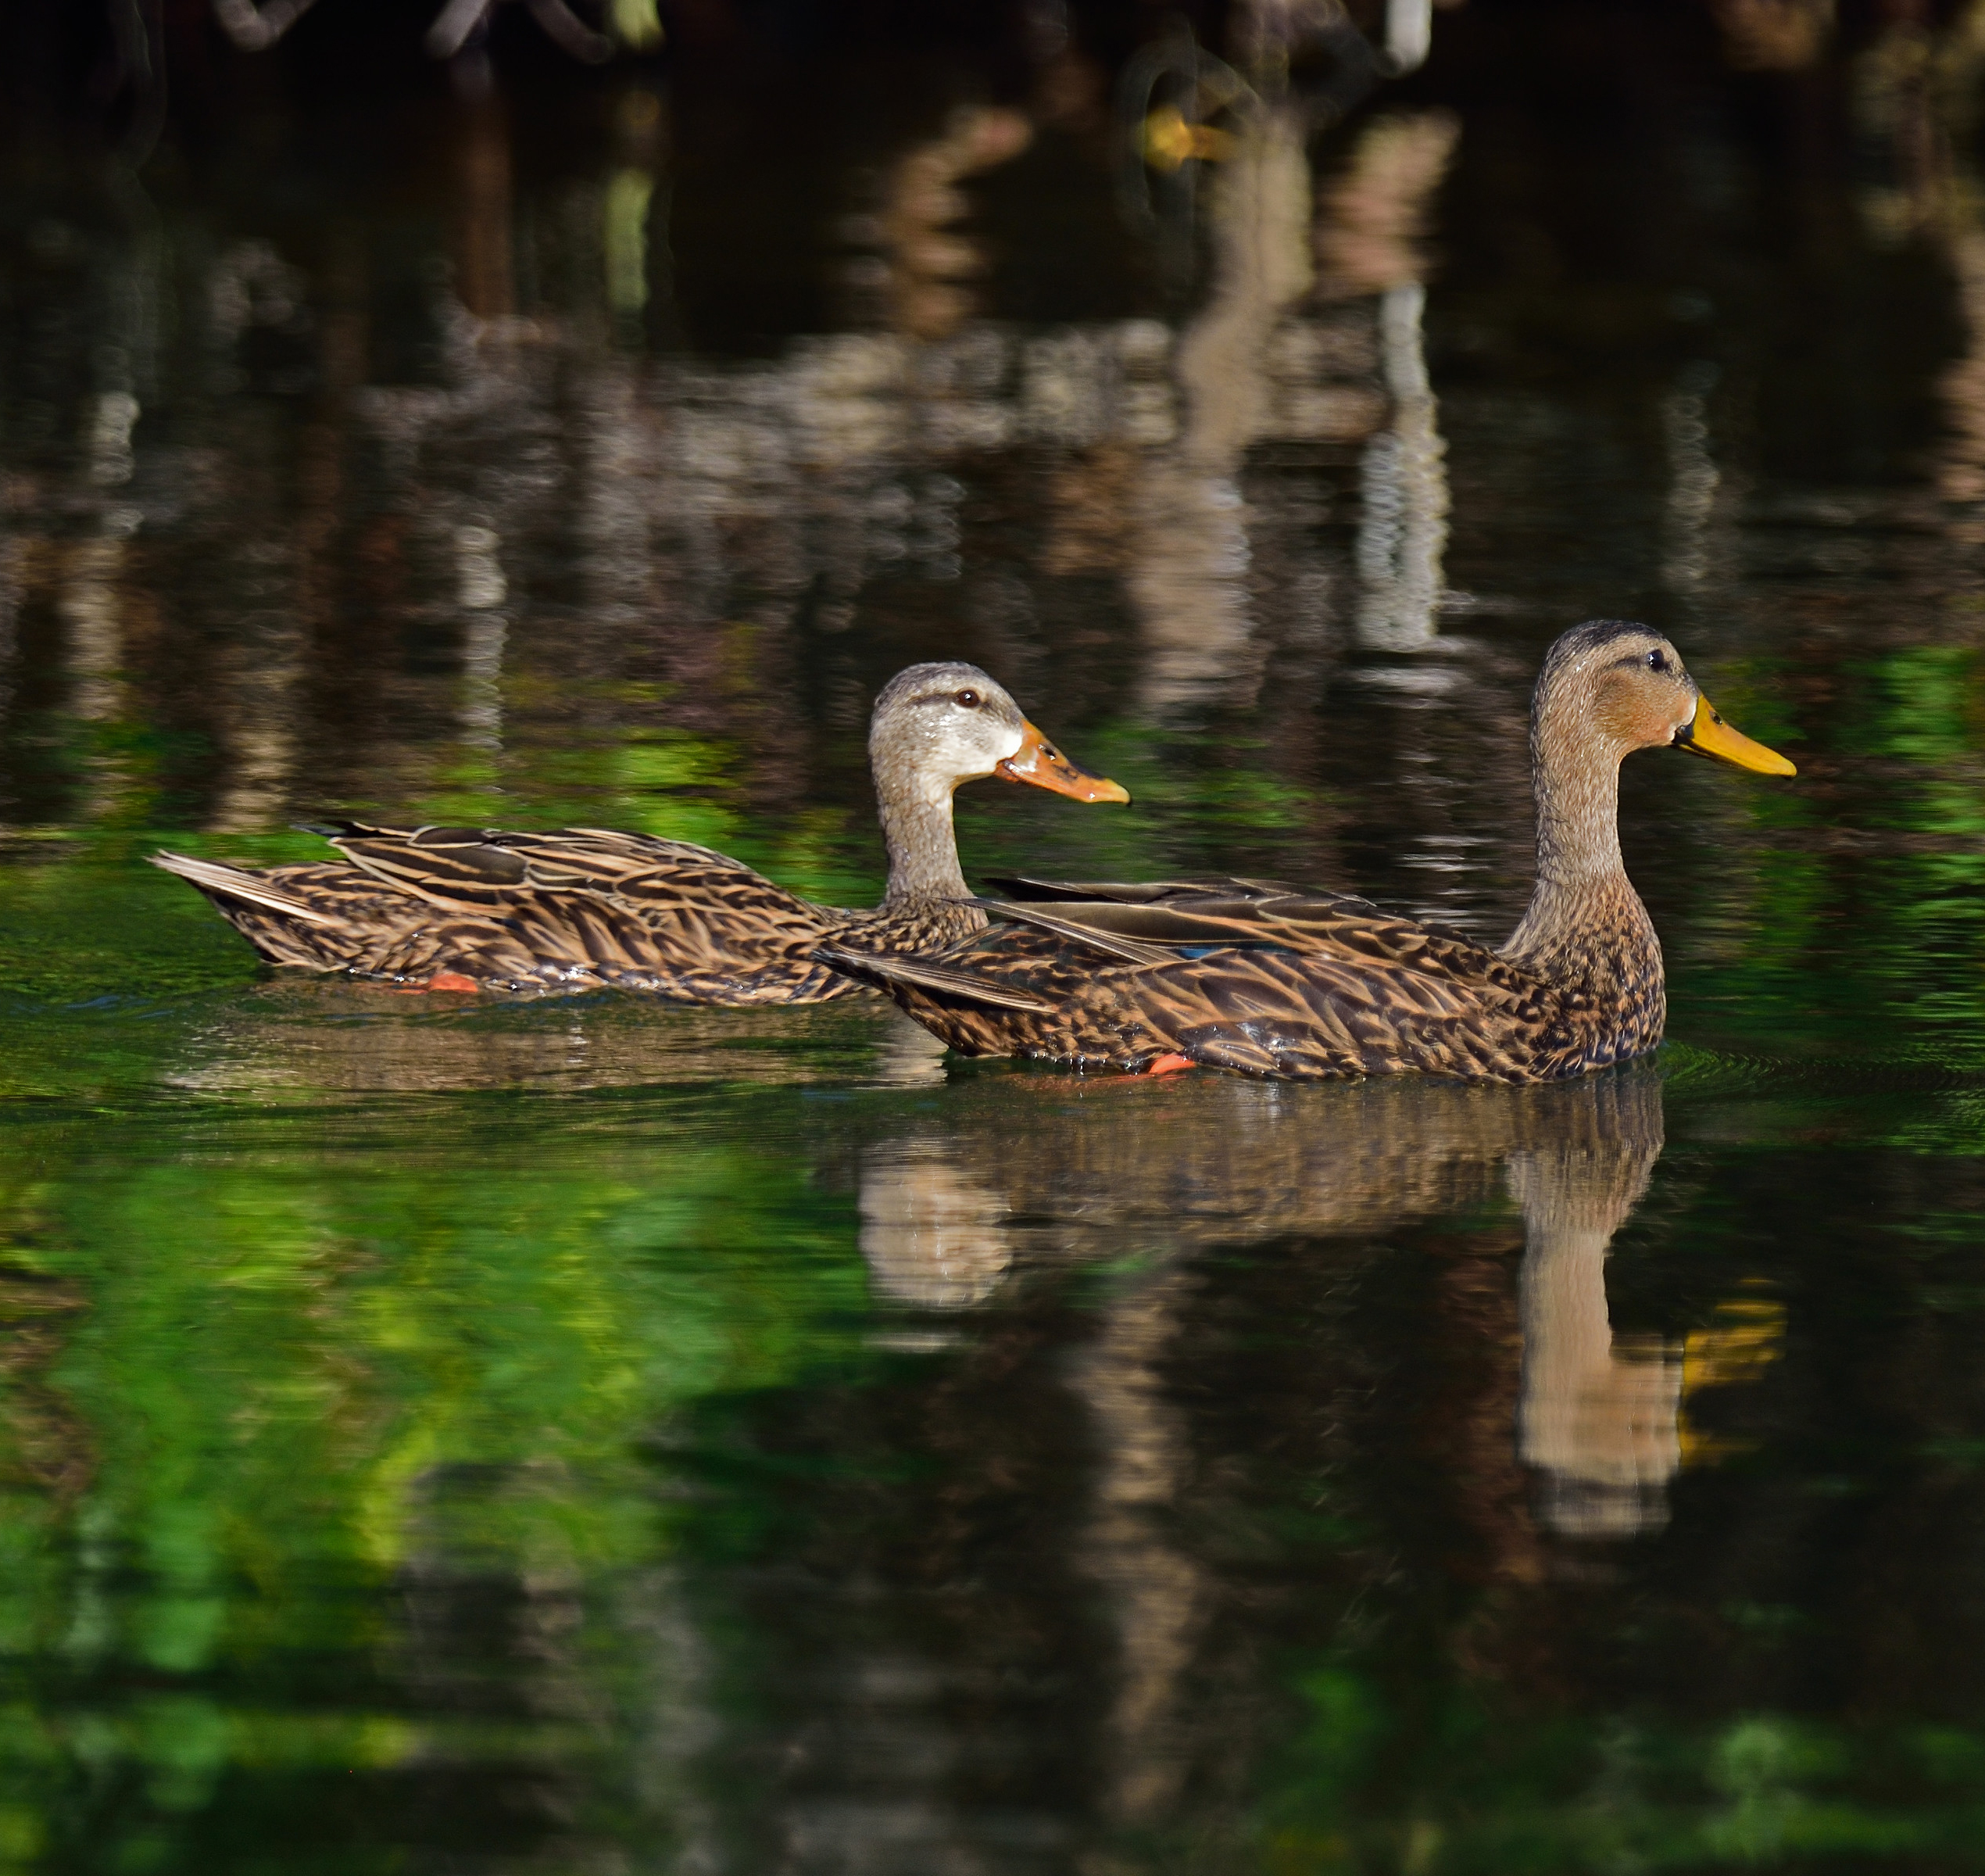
(1111, 944)
(230, 882)
(1024, 885)
(1146, 891)
(892, 972)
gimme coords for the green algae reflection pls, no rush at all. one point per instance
(265, 1388)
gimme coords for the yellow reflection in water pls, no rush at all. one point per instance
(1746, 1337)
(628, 194)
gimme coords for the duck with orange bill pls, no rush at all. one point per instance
(1270, 980)
(454, 908)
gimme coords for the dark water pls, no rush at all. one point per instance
(577, 1435)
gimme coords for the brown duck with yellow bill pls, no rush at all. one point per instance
(472, 909)
(1270, 980)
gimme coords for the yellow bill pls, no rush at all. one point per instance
(1706, 734)
(1170, 141)
(1038, 761)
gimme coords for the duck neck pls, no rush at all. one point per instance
(1584, 918)
(922, 846)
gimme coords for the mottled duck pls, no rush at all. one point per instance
(473, 908)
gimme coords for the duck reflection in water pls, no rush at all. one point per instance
(932, 1234)
(1598, 1417)
(1071, 1172)
(1530, 1426)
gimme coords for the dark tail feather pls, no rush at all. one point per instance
(1111, 944)
(230, 882)
(1148, 892)
(888, 973)
(1024, 885)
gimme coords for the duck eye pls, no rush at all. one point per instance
(969, 699)
(1657, 661)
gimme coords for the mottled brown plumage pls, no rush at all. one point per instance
(1267, 979)
(584, 906)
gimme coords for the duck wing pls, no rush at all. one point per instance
(631, 910)
(1190, 916)
(695, 934)
(486, 866)
(1188, 910)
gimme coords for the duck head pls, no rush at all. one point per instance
(1607, 688)
(936, 725)
(1623, 686)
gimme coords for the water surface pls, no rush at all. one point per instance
(445, 1434)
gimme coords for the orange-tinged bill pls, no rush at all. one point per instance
(1706, 734)
(1038, 761)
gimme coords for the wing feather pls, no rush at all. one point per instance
(245, 888)
(1101, 939)
(891, 972)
